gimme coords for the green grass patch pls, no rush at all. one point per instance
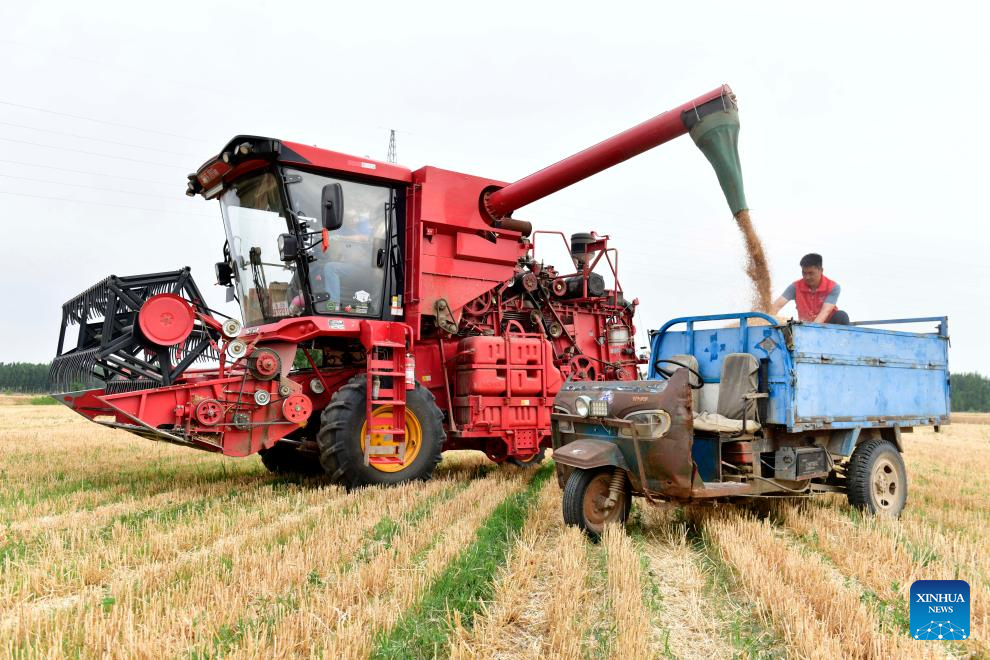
(42, 401)
(603, 631)
(424, 629)
(652, 597)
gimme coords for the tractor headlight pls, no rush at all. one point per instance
(599, 408)
(582, 406)
(649, 424)
(288, 247)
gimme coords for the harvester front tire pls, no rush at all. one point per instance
(286, 459)
(340, 439)
(583, 496)
(876, 481)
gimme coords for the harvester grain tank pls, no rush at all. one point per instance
(387, 314)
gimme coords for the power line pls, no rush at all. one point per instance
(89, 153)
(87, 172)
(100, 121)
(119, 206)
(86, 137)
(79, 185)
(115, 65)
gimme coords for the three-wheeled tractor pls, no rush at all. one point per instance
(388, 314)
(757, 409)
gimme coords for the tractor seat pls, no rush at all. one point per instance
(735, 395)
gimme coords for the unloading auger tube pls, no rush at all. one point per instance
(712, 119)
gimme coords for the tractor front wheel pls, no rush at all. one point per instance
(344, 430)
(586, 501)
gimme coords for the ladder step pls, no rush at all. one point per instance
(383, 451)
(393, 374)
(387, 344)
(389, 402)
(384, 460)
(387, 431)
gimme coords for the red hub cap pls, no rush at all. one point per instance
(297, 408)
(166, 319)
(209, 412)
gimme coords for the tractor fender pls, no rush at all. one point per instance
(589, 453)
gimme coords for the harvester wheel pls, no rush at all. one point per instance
(585, 501)
(876, 479)
(284, 458)
(343, 426)
(531, 462)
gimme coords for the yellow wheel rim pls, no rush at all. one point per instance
(414, 438)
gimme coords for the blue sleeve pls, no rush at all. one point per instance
(789, 293)
(833, 297)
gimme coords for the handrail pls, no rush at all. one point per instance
(656, 339)
(943, 323)
(658, 335)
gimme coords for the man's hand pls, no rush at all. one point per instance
(825, 313)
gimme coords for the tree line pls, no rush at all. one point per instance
(24, 377)
(970, 391)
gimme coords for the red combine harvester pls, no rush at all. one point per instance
(388, 314)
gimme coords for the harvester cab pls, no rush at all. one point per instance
(301, 242)
(387, 314)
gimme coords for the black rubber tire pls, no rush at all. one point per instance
(868, 461)
(340, 442)
(531, 464)
(284, 458)
(574, 500)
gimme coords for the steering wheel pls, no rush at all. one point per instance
(665, 374)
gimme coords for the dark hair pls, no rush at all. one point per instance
(812, 259)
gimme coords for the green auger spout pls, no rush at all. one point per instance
(714, 127)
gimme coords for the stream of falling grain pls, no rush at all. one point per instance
(756, 264)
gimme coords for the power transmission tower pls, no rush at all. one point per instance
(391, 147)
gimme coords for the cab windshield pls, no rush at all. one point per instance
(254, 217)
(345, 277)
(349, 275)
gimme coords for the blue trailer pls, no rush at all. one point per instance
(740, 405)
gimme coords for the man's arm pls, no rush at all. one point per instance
(825, 313)
(784, 298)
(777, 305)
(829, 305)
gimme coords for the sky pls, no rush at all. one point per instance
(862, 137)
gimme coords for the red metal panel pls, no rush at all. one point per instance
(475, 248)
(335, 160)
(452, 198)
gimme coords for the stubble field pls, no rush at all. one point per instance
(119, 547)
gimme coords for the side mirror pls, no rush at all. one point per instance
(332, 203)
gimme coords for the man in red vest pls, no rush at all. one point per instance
(814, 294)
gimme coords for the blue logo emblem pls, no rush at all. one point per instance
(940, 609)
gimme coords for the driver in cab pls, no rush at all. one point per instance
(344, 258)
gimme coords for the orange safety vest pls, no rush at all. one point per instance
(809, 301)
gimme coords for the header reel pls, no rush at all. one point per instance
(136, 332)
